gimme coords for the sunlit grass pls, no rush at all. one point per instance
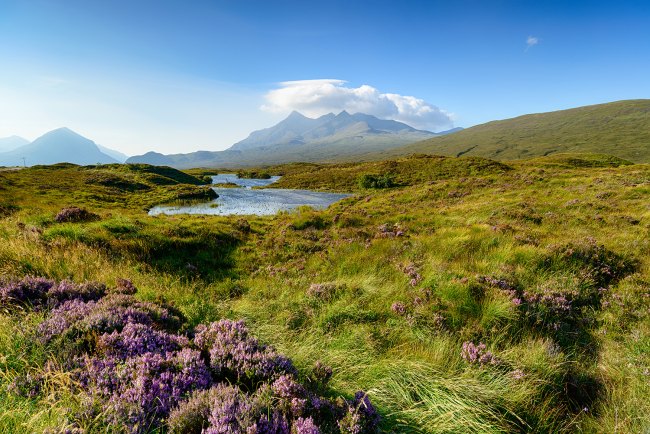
(506, 224)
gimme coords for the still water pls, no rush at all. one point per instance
(246, 201)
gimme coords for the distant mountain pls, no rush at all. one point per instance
(57, 146)
(154, 158)
(453, 130)
(11, 143)
(120, 157)
(299, 130)
(299, 138)
(620, 128)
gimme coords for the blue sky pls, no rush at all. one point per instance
(177, 76)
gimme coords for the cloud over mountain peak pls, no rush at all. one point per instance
(318, 97)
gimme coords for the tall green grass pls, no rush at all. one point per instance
(513, 224)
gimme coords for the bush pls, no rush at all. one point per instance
(137, 373)
(195, 193)
(309, 219)
(377, 181)
(253, 174)
(74, 214)
(6, 209)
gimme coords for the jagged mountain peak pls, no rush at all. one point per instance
(298, 130)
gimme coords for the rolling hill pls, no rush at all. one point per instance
(619, 128)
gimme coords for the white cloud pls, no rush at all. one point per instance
(318, 97)
(531, 41)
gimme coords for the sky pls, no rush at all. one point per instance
(180, 76)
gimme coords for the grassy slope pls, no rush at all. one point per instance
(106, 186)
(619, 128)
(509, 222)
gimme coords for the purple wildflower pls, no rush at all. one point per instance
(361, 417)
(234, 353)
(322, 291)
(321, 373)
(125, 286)
(75, 214)
(399, 308)
(142, 389)
(304, 426)
(477, 354)
(292, 397)
(518, 374)
(137, 339)
(29, 290)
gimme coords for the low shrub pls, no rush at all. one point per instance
(74, 214)
(309, 219)
(135, 371)
(377, 181)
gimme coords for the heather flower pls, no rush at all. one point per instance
(29, 290)
(477, 354)
(321, 373)
(67, 430)
(63, 317)
(74, 214)
(38, 292)
(123, 305)
(224, 409)
(292, 397)
(351, 423)
(390, 231)
(304, 426)
(518, 374)
(322, 291)
(67, 290)
(28, 385)
(135, 372)
(141, 390)
(361, 417)
(399, 308)
(137, 339)
(234, 353)
(75, 318)
(275, 424)
(125, 286)
(551, 309)
(412, 272)
(497, 283)
(191, 416)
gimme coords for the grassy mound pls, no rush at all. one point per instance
(412, 170)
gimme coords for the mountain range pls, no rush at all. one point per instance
(56, 146)
(620, 128)
(299, 138)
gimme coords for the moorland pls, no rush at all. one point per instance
(459, 294)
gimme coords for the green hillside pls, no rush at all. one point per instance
(619, 128)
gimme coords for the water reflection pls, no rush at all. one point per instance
(225, 178)
(246, 201)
